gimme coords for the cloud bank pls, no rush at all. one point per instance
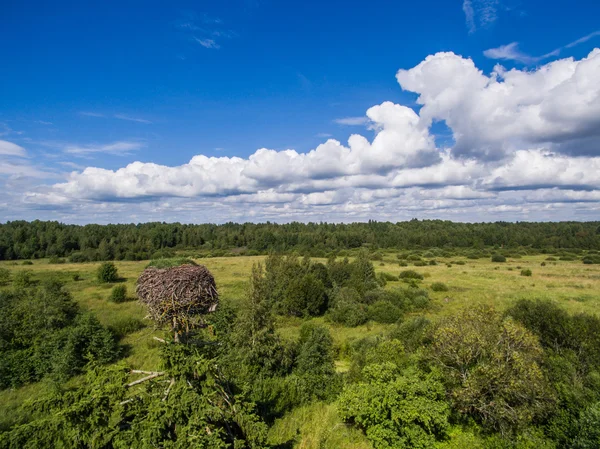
(526, 145)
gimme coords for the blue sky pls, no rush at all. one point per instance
(106, 84)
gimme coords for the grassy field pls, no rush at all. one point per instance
(572, 284)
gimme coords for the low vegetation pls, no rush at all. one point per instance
(304, 352)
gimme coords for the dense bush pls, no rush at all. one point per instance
(591, 259)
(397, 408)
(118, 293)
(42, 333)
(410, 274)
(384, 312)
(526, 272)
(482, 356)
(439, 287)
(107, 272)
(348, 313)
(388, 277)
(498, 258)
(4, 276)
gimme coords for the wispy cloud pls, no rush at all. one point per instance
(323, 135)
(72, 165)
(207, 43)
(511, 52)
(480, 13)
(583, 39)
(132, 119)
(42, 122)
(352, 121)
(90, 114)
(206, 30)
(120, 148)
(11, 149)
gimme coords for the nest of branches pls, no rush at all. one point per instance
(175, 295)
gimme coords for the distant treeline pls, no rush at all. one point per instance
(37, 239)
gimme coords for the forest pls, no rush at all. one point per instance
(489, 339)
(39, 239)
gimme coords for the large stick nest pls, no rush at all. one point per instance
(178, 292)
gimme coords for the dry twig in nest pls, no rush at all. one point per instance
(175, 295)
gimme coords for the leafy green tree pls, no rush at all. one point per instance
(107, 272)
(397, 409)
(196, 408)
(588, 429)
(492, 368)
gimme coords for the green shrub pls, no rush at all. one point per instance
(439, 287)
(27, 262)
(410, 274)
(76, 277)
(347, 309)
(459, 262)
(543, 264)
(389, 277)
(413, 257)
(402, 264)
(22, 280)
(567, 258)
(107, 272)
(384, 312)
(420, 263)
(118, 293)
(526, 272)
(432, 262)
(498, 258)
(591, 259)
(551, 259)
(56, 260)
(4, 276)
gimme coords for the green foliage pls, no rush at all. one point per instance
(388, 277)
(492, 368)
(588, 429)
(305, 295)
(397, 409)
(439, 287)
(200, 410)
(23, 240)
(27, 262)
(384, 312)
(118, 293)
(42, 333)
(22, 280)
(526, 272)
(56, 260)
(315, 364)
(107, 272)
(499, 258)
(348, 312)
(410, 274)
(4, 276)
(591, 259)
